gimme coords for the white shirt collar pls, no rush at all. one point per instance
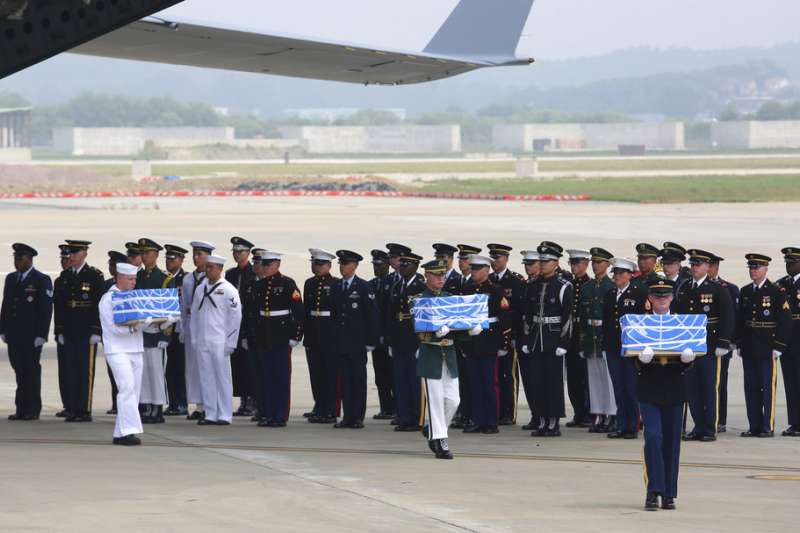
(78, 270)
(674, 278)
(449, 273)
(625, 288)
(759, 285)
(702, 280)
(25, 274)
(796, 277)
(348, 281)
(501, 273)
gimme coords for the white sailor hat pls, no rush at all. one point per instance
(203, 245)
(321, 255)
(215, 260)
(579, 254)
(127, 269)
(270, 255)
(623, 264)
(529, 256)
(480, 260)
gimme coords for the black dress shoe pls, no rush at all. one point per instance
(706, 438)
(766, 434)
(357, 425)
(263, 423)
(668, 503)
(223, 423)
(112, 411)
(748, 433)
(651, 502)
(489, 430)
(196, 415)
(204, 422)
(722, 429)
(576, 423)
(457, 424)
(30, 417)
(148, 420)
(171, 411)
(690, 436)
(791, 431)
(309, 414)
(472, 429)
(505, 421)
(277, 424)
(442, 449)
(63, 413)
(538, 432)
(127, 440)
(552, 432)
(383, 416)
(314, 419)
(395, 421)
(615, 435)
(408, 428)
(15, 416)
(341, 424)
(630, 435)
(79, 418)
(530, 426)
(254, 418)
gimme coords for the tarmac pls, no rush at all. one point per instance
(68, 477)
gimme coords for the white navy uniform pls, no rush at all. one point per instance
(189, 290)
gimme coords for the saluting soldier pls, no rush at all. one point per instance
(278, 328)
(763, 330)
(549, 322)
(700, 295)
(790, 361)
(733, 292)
(241, 368)
(646, 259)
(114, 258)
(174, 256)
(77, 329)
(58, 285)
(508, 368)
(24, 325)
(403, 342)
(590, 342)
(355, 315)
(577, 376)
(380, 286)
(530, 261)
(319, 338)
(485, 346)
(627, 298)
(437, 367)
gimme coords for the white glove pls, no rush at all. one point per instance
(647, 355)
(733, 347)
(162, 345)
(719, 352)
(560, 352)
(736, 352)
(148, 321)
(228, 352)
(390, 352)
(293, 343)
(476, 331)
(502, 353)
(3, 338)
(443, 331)
(169, 322)
(776, 354)
(687, 356)
(37, 342)
(95, 339)
(181, 337)
(525, 349)
(603, 353)
(60, 339)
(370, 348)
(245, 344)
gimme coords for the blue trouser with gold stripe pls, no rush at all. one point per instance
(702, 382)
(662, 447)
(79, 359)
(484, 390)
(760, 378)
(625, 379)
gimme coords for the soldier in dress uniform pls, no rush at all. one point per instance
(485, 346)
(590, 342)
(24, 325)
(763, 330)
(530, 261)
(627, 298)
(445, 253)
(733, 292)
(508, 367)
(58, 284)
(790, 361)
(241, 368)
(661, 398)
(437, 367)
(355, 316)
(250, 318)
(403, 342)
(153, 394)
(380, 286)
(278, 328)
(77, 329)
(134, 254)
(646, 259)
(174, 256)
(672, 257)
(700, 295)
(577, 376)
(114, 258)
(548, 316)
(396, 251)
(319, 337)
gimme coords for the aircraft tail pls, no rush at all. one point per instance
(478, 29)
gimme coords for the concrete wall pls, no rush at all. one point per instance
(756, 134)
(655, 136)
(130, 141)
(376, 139)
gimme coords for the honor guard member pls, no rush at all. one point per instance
(176, 353)
(77, 329)
(124, 349)
(700, 295)
(355, 316)
(530, 261)
(241, 369)
(549, 320)
(672, 257)
(216, 319)
(485, 346)
(508, 368)
(58, 285)
(625, 299)
(733, 292)
(577, 377)
(404, 343)
(396, 251)
(114, 258)
(24, 325)
(646, 259)
(250, 319)
(661, 399)
(319, 338)
(200, 252)
(134, 254)
(763, 330)
(590, 342)
(462, 417)
(790, 361)
(278, 328)
(444, 253)
(380, 286)
(153, 394)
(437, 367)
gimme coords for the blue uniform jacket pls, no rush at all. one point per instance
(27, 308)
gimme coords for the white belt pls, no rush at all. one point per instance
(320, 313)
(547, 320)
(281, 312)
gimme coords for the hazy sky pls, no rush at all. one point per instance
(557, 29)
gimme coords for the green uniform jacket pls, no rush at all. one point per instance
(590, 316)
(433, 350)
(154, 279)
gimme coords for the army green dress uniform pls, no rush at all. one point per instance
(790, 361)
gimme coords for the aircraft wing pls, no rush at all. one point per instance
(477, 34)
